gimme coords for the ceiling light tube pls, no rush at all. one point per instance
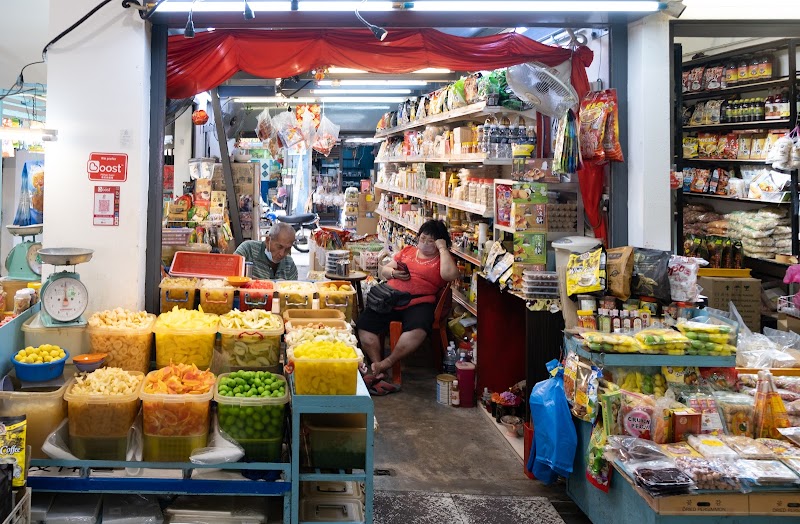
(336, 92)
(274, 100)
(432, 70)
(27, 134)
(362, 99)
(345, 82)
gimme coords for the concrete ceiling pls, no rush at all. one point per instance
(23, 34)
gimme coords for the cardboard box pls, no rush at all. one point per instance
(745, 293)
(707, 504)
(530, 217)
(685, 422)
(534, 170)
(530, 248)
(775, 504)
(366, 226)
(366, 204)
(178, 212)
(462, 134)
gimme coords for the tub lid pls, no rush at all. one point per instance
(576, 243)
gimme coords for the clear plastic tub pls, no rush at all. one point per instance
(293, 324)
(332, 489)
(184, 346)
(256, 423)
(178, 292)
(336, 440)
(251, 348)
(75, 508)
(73, 339)
(126, 348)
(323, 509)
(256, 297)
(295, 295)
(217, 300)
(45, 409)
(312, 314)
(174, 425)
(326, 376)
(332, 297)
(99, 424)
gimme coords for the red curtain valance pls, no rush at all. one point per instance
(201, 63)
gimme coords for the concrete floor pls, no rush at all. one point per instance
(427, 447)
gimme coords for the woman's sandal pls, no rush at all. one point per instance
(381, 387)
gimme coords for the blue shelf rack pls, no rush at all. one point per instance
(93, 476)
(361, 402)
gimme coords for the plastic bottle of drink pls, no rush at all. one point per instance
(455, 396)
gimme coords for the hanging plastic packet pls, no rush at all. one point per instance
(683, 277)
(13, 433)
(31, 195)
(570, 376)
(611, 145)
(586, 273)
(598, 469)
(327, 135)
(593, 114)
(770, 413)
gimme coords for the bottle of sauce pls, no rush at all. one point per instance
(744, 70)
(723, 112)
(455, 398)
(753, 70)
(768, 106)
(765, 67)
(731, 73)
(637, 322)
(760, 112)
(627, 323)
(616, 322)
(784, 105)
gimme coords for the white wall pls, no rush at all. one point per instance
(99, 101)
(23, 34)
(184, 130)
(648, 155)
(741, 10)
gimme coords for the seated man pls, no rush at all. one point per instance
(423, 270)
(271, 258)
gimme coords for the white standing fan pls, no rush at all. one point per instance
(546, 88)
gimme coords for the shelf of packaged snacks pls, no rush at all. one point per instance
(469, 207)
(505, 229)
(724, 161)
(761, 124)
(638, 359)
(723, 197)
(465, 159)
(461, 299)
(396, 220)
(465, 256)
(744, 88)
(462, 113)
(765, 266)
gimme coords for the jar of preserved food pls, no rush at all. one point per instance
(731, 73)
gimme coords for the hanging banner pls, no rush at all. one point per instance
(106, 206)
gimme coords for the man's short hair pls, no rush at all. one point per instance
(280, 227)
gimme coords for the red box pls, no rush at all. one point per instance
(685, 422)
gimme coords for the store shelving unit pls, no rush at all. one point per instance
(465, 256)
(469, 207)
(361, 402)
(461, 299)
(789, 82)
(636, 360)
(397, 220)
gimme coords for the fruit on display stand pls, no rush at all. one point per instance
(337, 295)
(179, 379)
(319, 334)
(175, 401)
(177, 292)
(636, 381)
(325, 368)
(43, 354)
(660, 341)
(126, 337)
(251, 338)
(709, 339)
(103, 403)
(295, 295)
(247, 384)
(216, 296)
(611, 342)
(185, 336)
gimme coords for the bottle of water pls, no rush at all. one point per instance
(450, 359)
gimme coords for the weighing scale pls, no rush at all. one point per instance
(64, 298)
(23, 262)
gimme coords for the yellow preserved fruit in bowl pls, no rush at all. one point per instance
(325, 368)
(251, 339)
(126, 337)
(185, 337)
(338, 295)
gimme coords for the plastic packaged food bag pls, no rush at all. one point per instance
(598, 469)
(220, 449)
(683, 277)
(747, 447)
(327, 135)
(736, 412)
(631, 449)
(636, 415)
(264, 129)
(661, 477)
(768, 472)
(13, 446)
(651, 274)
(770, 412)
(593, 114)
(711, 447)
(711, 474)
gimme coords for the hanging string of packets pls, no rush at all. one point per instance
(567, 156)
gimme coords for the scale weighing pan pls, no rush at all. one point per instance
(65, 256)
(24, 231)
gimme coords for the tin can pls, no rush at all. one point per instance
(248, 269)
(444, 384)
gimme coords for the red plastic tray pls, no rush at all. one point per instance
(206, 265)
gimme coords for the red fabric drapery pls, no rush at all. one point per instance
(205, 61)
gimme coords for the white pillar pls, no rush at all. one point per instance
(184, 130)
(649, 161)
(98, 98)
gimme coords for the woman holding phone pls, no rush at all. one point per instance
(421, 270)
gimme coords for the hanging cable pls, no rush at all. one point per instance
(188, 31)
(379, 32)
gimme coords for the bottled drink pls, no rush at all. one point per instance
(744, 70)
(769, 106)
(455, 395)
(760, 112)
(731, 73)
(753, 70)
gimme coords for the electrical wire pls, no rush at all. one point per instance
(20, 80)
(297, 90)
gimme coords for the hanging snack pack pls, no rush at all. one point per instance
(598, 469)
(651, 274)
(593, 115)
(619, 266)
(736, 412)
(586, 273)
(611, 145)
(570, 376)
(327, 135)
(13, 432)
(683, 278)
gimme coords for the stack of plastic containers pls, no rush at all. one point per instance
(337, 295)
(126, 348)
(216, 297)
(44, 408)
(251, 348)
(256, 294)
(178, 292)
(295, 295)
(539, 284)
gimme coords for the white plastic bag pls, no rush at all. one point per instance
(56, 445)
(327, 135)
(264, 129)
(683, 277)
(221, 449)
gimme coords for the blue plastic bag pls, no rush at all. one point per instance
(554, 438)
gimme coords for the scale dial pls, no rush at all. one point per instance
(34, 261)
(65, 299)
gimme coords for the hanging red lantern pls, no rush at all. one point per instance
(199, 117)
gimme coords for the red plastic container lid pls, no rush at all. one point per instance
(206, 265)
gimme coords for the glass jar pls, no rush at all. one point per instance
(586, 319)
(22, 301)
(765, 67)
(744, 70)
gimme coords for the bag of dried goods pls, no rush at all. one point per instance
(662, 341)
(747, 447)
(636, 415)
(610, 342)
(680, 449)
(593, 114)
(571, 376)
(708, 339)
(661, 478)
(651, 274)
(736, 412)
(711, 474)
(327, 135)
(611, 145)
(619, 266)
(711, 447)
(768, 472)
(598, 469)
(683, 277)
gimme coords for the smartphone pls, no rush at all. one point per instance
(401, 266)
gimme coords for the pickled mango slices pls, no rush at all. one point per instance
(611, 342)
(176, 342)
(252, 319)
(179, 379)
(186, 319)
(318, 373)
(660, 341)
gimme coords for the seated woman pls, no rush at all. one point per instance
(423, 270)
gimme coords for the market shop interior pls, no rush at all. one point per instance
(619, 341)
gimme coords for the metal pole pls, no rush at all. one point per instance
(227, 173)
(618, 77)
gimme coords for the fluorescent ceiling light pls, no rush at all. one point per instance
(274, 100)
(347, 71)
(335, 92)
(374, 82)
(27, 134)
(360, 99)
(432, 70)
(423, 5)
(362, 140)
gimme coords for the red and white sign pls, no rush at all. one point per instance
(108, 167)
(106, 206)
